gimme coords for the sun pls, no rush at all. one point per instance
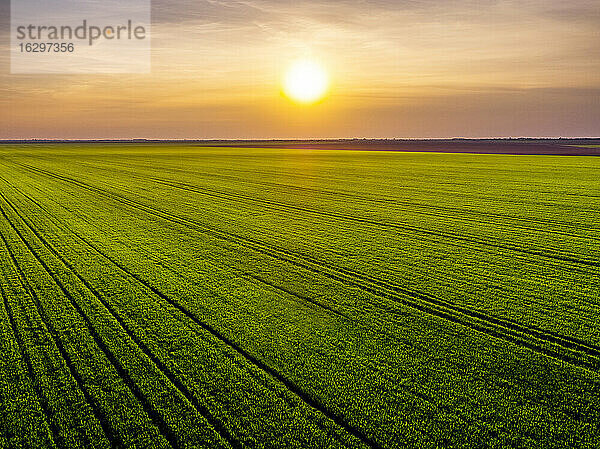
(306, 82)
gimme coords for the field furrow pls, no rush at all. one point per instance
(145, 172)
(182, 296)
(178, 384)
(548, 252)
(26, 416)
(572, 350)
(48, 360)
(174, 438)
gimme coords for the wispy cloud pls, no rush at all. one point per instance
(398, 67)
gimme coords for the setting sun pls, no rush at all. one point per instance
(306, 82)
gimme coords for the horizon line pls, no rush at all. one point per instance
(328, 139)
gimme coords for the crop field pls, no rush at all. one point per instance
(179, 296)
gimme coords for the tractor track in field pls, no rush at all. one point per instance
(340, 421)
(529, 337)
(452, 239)
(96, 410)
(196, 321)
(154, 416)
(417, 394)
(525, 257)
(191, 223)
(554, 255)
(446, 211)
(162, 262)
(172, 378)
(386, 200)
(273, 205)
(33, 330)
(24, 354)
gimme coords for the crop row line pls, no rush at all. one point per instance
(55, 335)
(511, 330)
(160, 261)
(273, 205)
(55, 435)
(412, 205)
(249, 276)
(555, 255)
(444, 212)
(313, 402)
(177, 384)
(154, 416)
(259, 280)
(256, 362)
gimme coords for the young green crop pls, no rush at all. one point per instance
(203, 297)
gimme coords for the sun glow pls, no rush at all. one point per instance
(306, 82)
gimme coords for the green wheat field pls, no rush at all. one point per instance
(174, 295)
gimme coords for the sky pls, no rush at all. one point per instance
(398, 69)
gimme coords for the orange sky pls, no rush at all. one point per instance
(398, 69)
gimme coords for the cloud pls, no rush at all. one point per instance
(4, 18)
(399, 68)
